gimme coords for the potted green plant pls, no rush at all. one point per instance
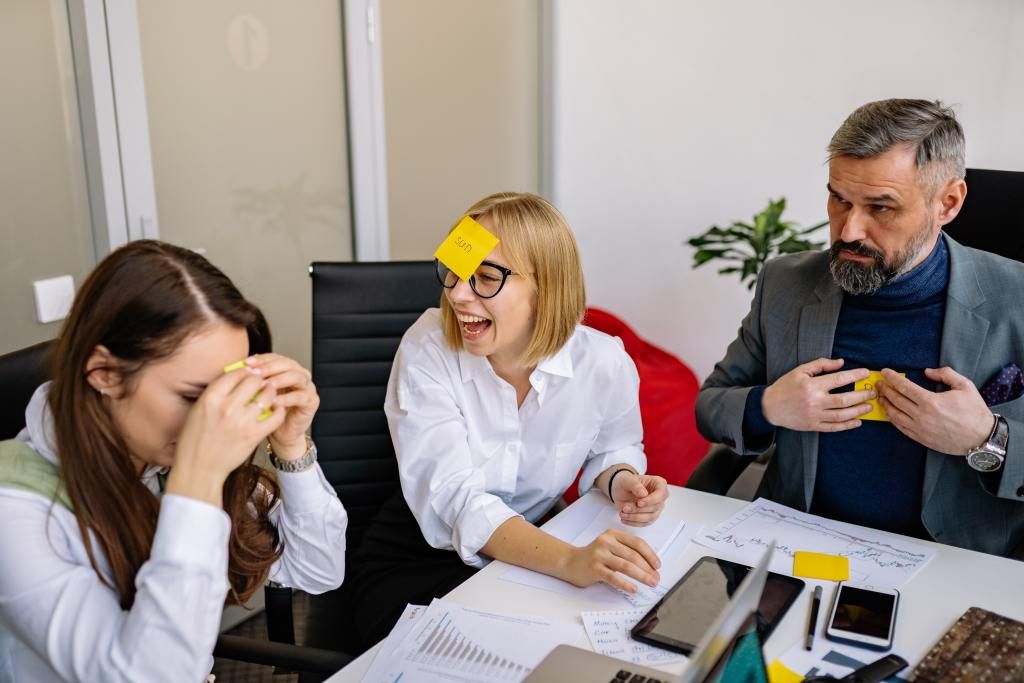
(746, 246)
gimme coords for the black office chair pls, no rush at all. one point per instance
(992, 217)
(360, 313)
(21, 372)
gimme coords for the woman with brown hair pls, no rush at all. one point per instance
(130, 507)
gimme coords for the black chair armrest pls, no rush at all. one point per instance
(280, 655)
(721, 467)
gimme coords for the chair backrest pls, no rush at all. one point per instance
(992, 217)
(360, 312)
(21, 372)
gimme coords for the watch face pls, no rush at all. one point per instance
(983, 461)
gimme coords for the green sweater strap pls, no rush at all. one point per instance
(23, 468)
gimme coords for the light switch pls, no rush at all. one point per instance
(53, 298)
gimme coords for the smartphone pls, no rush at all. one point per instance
(679, 620)
(863, 616)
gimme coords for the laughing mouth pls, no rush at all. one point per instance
(473, 325)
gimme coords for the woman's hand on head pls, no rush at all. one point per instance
(613, 558)
(640, 498)
(221, 431)
(296, 400)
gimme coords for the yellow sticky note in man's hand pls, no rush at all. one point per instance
(821, 566)
(871, 382)
(466, 247)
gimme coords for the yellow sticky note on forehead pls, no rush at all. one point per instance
(871, 382)
(466, 247)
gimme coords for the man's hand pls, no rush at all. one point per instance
(800, 399)
(952, 422)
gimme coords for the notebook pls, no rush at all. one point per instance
(981, 646)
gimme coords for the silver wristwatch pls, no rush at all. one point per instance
(989, 456)
(297, 465)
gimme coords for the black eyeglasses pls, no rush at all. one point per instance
(486, 281)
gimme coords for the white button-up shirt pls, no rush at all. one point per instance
(469, 458)
(59, 622)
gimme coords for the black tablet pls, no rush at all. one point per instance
(679, 620)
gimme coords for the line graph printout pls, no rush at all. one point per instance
(453, 643)
(876, 558)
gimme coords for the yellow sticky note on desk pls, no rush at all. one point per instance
(821, 566)
(780, 673)
(871, 382)
(466, 247)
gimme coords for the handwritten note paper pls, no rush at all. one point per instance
(609, 635)
(466, 247)
(877, 411)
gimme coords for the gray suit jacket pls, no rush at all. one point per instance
(792, 320)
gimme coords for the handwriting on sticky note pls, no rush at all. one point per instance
(871, 382)
(821, 566)
(466, 247)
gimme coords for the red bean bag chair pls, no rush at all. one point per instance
(668, 394)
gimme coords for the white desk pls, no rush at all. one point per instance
(953, 581)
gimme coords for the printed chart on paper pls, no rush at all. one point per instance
(876, 558)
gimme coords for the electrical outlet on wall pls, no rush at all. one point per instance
(53, 298)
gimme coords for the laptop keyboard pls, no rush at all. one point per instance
(624, 676)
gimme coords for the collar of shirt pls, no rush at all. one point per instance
(559, 364)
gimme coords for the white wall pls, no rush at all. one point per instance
(670, 116)
(44, 209)
(461, 110)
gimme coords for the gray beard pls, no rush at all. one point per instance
(858, 280)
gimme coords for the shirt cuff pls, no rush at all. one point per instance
(305, 491)
(190, 532)
(477, 524)
(754, 423)
(632, 456)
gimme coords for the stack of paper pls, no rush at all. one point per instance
(585, 521)
(448, 642)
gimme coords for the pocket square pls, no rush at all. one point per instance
(1007, 385)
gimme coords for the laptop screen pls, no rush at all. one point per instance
(743, 659)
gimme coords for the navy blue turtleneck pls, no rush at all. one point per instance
(873, 475)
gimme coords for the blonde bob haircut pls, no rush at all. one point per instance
(541, 248)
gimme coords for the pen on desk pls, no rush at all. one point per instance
(812, 619)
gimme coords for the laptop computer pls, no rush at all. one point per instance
(731, 641)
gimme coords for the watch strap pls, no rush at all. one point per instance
(301, 464)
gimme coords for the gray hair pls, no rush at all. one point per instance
(928, 128)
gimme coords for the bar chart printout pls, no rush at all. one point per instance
(454, 643)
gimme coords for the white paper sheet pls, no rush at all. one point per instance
(448, 642)
(609, 635)
(876, 558)
(383, 667)
(585, 521)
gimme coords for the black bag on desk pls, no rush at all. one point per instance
(981, 646)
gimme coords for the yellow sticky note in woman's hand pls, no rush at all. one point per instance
(821, 566)
(238, 365)
(466, 247)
